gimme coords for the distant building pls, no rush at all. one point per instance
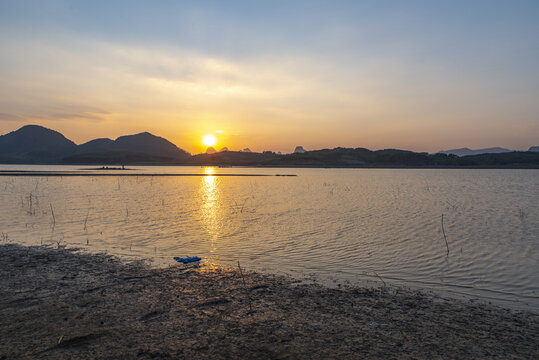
(299, 150)
(246, 150)
(210, 150)
(224, 149)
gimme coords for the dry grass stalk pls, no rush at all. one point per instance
(379, 277)
(245, 284)
(53, 218)
(445, 237)
(86, 220)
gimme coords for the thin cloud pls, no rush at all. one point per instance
(11, 117)
(94, 116)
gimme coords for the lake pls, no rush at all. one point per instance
(337, 226)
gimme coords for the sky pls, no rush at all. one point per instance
(271, 75)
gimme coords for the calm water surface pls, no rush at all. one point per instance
(338, 225)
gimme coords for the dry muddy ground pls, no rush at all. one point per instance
(61, 304)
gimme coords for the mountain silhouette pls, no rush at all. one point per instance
(96, 145)
(467, 151)
(139, 143)
(34, 144)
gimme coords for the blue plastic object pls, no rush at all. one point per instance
(187, 260)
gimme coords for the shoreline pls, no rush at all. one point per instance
(60, 303)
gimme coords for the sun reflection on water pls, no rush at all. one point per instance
(211, 215)
(209, 171)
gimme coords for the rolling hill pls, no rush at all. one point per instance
(34, 144)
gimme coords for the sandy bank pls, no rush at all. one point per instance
(56, 303)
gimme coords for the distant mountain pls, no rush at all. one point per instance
(299, 150)
(467, 152)
(34, 144)
(96, 145)
(534, 148)
(139, 143)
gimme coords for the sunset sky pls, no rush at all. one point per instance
(270, 75)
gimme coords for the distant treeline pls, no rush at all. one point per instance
(339, 157)
(360, 157)
(34, 144)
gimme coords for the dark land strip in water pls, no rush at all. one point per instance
(60, 304)
(58, 173)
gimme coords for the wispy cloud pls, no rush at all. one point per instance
(351, 74)
(11, 117)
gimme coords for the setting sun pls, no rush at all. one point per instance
(209, 140)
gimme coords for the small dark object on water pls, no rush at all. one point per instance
(187, 260)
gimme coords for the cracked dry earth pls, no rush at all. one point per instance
(63, 304)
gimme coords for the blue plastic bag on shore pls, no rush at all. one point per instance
(187, 260)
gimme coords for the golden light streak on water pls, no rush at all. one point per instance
(209, 189)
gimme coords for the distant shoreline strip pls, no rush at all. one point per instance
(29, 173)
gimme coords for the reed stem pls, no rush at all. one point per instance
(53, 218)
(445, 237)
(245, 284)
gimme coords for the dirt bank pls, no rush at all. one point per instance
(57, 303)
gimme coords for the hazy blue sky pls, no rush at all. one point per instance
(420, 75)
